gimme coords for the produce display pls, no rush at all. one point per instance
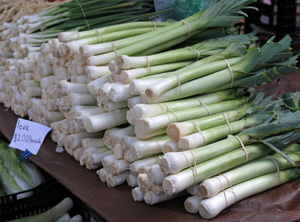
(167, 107)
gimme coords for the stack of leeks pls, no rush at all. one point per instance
(209, 160)
(259, 65)
(71, 57)
(21, 41)
(32, 82)
(66, 95)
(219, 192)
(122, 153)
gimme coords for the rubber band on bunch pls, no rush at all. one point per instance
(148, 65)
(154, 23)
(198, 53)
(244, 148)
(179, 86)
(231, 72)
(277, 169)
(201, 133)
(115, 49)
(206, 107)
(227, 121)
(189, 27)
(193, 169)
(232, 190)
(169, 109)
(99, 36)
(83, 13)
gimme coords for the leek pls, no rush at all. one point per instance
(211, 207)
(171, 162)
(176, 183)
(266, 165)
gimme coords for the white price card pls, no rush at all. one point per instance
(29, 135)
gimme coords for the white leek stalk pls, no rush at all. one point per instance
(137, 165)
(116, 135)
(107, 162)
(134, 101)
(92, 142)
(143, 182)
(118, 151)
(143, 136)
(85, 154)
(34, 91)
(79, 79)
(95, 72)
(170, 146)
(97, 156)
(106, 120)
(66, 87)
(191, 204)
(74, 99)
(119, 166)
(156, 188)
(117, 180)
(126, 141)
(102, 173)
(74, 109)
(95, 85)
(83, 114)
(108, 136)
(129, 117)
(78, 152)
(136, 86)
(75, 140)
(54, 116)
(112, 106)
(155, 174)
(152, 198)
(132, 180)
(119, 93)
(137, 194)
(142, 149)
(27, 76)
(194, 190)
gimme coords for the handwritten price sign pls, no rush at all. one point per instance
(29, 135)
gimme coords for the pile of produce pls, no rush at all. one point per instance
(165, 107)
(12, 10)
